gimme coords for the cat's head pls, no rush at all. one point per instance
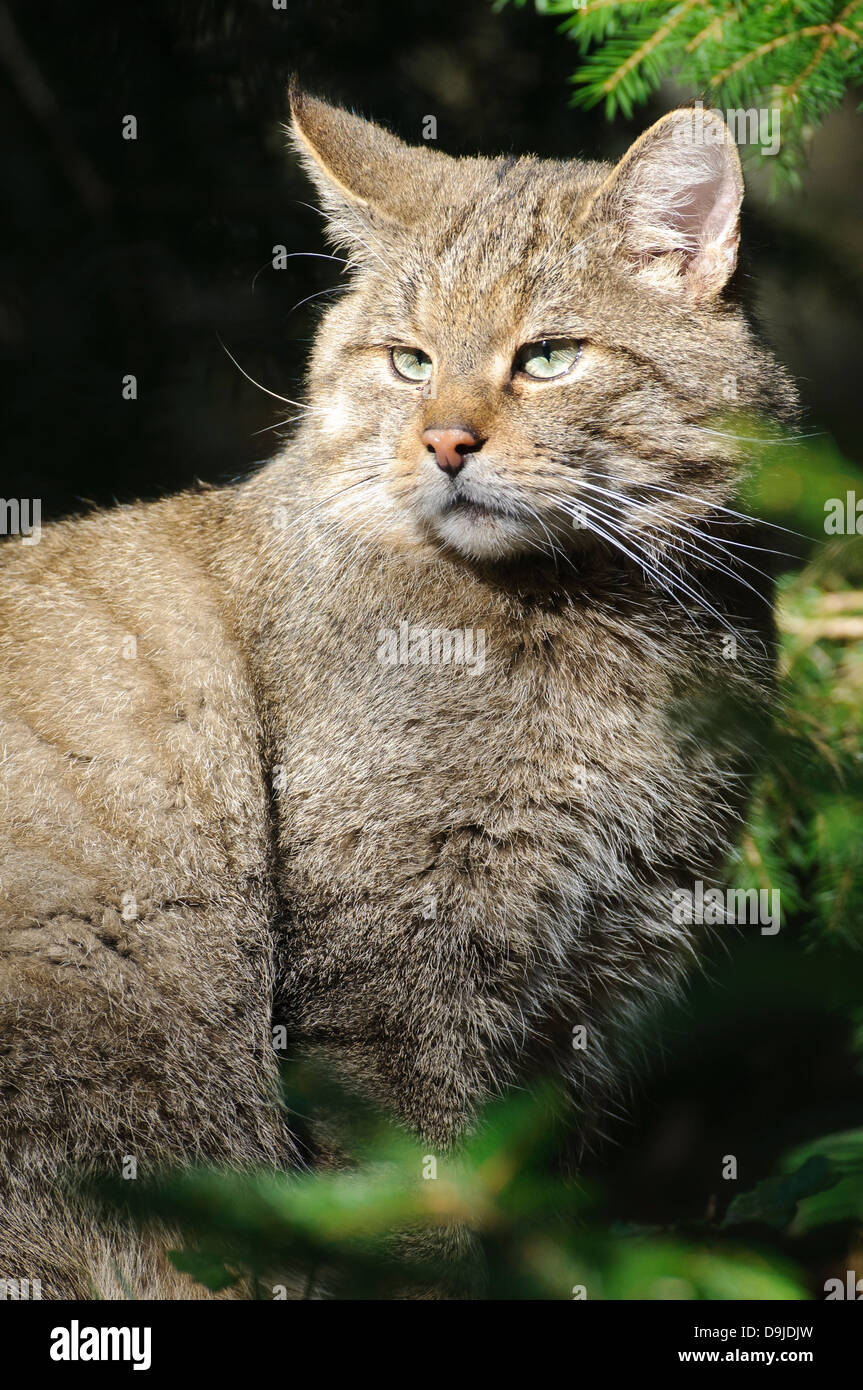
(531, 354)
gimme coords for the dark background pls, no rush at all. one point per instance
(138, 256)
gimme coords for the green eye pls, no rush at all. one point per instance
(411, 363)
(548, 358)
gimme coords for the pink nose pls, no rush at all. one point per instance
(450, 446)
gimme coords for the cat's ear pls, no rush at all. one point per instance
(363, 173)
(675, 200)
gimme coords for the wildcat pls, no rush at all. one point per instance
(253, 770)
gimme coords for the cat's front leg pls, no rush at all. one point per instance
(127, 1047)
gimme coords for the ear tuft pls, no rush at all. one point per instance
(676, 194)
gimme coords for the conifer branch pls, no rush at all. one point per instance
(790, 62)
(649, 44)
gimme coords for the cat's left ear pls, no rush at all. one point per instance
(675, 200)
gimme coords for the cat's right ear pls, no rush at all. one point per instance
(363, 174)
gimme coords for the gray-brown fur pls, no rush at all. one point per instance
(430, 874)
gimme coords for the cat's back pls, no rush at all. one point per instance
(128, 728)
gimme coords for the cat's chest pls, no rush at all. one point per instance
(451, 762)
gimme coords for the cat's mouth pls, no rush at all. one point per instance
(470, 508)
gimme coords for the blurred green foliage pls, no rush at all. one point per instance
(373, 1229)
(805, 834)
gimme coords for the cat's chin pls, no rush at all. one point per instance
(480, 534)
